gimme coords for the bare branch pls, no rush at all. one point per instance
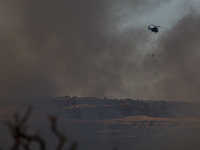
(74, 146)
(27, 115)
(18, 131)
(62, 138)
(23, 140)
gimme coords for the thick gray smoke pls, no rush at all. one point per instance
(178, 59)
(51, 48)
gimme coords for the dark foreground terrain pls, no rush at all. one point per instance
(96, 123)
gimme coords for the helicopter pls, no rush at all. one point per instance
(154, 28)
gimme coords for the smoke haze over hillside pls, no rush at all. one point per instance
(98, 48)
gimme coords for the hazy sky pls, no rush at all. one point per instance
(100, 48)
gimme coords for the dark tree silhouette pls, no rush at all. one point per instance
(22, 139)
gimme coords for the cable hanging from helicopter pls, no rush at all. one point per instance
(154, 29)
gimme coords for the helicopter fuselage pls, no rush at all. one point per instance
(153, 29)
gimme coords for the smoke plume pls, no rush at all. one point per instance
(51, 48)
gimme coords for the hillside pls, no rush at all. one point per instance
(96, 108)
(124, 123)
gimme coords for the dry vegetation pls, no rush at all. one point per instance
(22, 139)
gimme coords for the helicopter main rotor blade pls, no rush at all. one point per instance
(152, 24)
(156, 25)
(162, 27)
